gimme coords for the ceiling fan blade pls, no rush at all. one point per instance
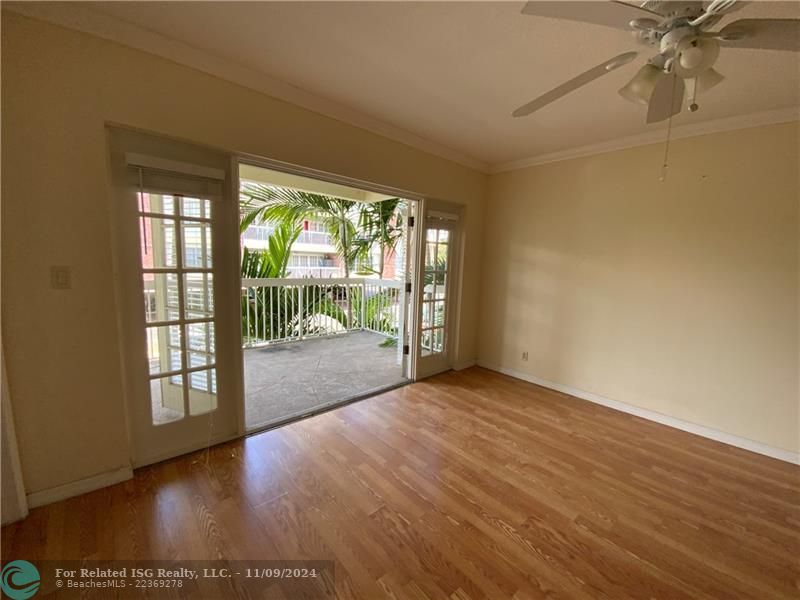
(667, 99)
(609, 14)
(708, 79)
(574, 83)
(714, 10)
(762, 34)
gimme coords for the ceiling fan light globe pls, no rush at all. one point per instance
(696, 56)
(640, 88)
(691, 58)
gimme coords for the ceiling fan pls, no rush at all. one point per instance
(687, 50)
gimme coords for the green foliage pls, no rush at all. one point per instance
(377, 307)
(271, 313)
(441, 265)
(381, 223)
(354, 227)
(273, 260)
(262, 203)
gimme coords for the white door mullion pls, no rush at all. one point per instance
(181, 302)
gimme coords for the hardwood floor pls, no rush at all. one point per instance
(466, 485)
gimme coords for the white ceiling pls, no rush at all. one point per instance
(452, 72)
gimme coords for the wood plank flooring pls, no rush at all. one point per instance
(466, 485)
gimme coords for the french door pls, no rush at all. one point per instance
(173, 250)
(435, 277)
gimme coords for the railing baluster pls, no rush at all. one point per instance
(247, 311)
(283, 310)
(287, 329)
(271, 316)
(255, 315)
(278, 312)
(301, 311)
(364, 305)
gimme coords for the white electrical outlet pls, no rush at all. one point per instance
(524, 356)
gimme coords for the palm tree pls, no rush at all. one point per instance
(381, 224)
(286, 206)
(264, 309)
(262, 203)
(274, 259)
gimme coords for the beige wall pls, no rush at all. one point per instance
(59, 89)
(680, 297)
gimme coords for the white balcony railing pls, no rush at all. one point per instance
(323, 272)
(321, 238)
(263, 233)
(283, 310)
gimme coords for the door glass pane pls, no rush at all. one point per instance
(200, 343)
(164, 349)
(200, 337)
(166, 397)
(195, 207)
(438, 313)
(425, 343)
(430, 256)
(169, 245)
(161, 297)
(196, 245)
(200, 359)
(202, 391)
(157, 243)
(426, 314)
(199, 295)
(441, 256)
(156, 203)
(434, 295)
(438, 340)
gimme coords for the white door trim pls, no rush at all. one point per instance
(451, 216)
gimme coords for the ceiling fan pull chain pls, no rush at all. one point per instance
(665, 164)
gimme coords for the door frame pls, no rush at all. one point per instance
(129, 313)
(182, 159)
(412, 233)
(452, 300)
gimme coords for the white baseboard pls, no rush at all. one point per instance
(81, 486)
(701, 430)
(465, 364)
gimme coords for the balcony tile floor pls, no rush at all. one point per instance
(291, 379)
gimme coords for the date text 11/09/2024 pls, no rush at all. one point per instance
(184, 573)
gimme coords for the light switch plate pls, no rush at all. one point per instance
(60, 277)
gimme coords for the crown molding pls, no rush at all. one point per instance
(87, 20)
(772, 117)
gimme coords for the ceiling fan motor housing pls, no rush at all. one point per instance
(673, 38)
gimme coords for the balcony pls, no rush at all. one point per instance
(310, 343)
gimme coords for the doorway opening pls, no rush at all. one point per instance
(325, 292)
